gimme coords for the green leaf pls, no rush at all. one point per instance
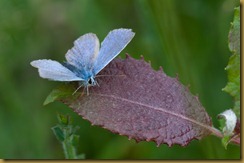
(233, 70)
(225, 141)
(61, 92)
(58, 133)
(65, 120)
(233, 67)
(234, 34)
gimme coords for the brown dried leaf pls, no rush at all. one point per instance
(143, 104)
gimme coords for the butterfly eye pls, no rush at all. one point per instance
(90, 81)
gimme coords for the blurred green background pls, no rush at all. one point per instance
(188, 37)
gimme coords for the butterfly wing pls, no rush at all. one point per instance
(84, 52)
(53, 70)
(111, 46)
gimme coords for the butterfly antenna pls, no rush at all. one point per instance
(110, 75)
(96, 83)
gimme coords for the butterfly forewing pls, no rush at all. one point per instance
(111, 46)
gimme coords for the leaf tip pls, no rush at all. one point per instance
(149, 63)
(161, 69)
(129, 137)
(188, 87)
(197, 97)
(142, 57)
(177, 76)
(157, 144)
(127, 55)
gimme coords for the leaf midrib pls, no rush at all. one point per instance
(160, 109)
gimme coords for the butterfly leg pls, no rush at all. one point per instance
(87, 91)
(77, 89)
(96, 83)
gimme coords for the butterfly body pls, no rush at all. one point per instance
(87, 77)
(85, 59)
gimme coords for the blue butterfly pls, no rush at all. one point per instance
(85, 60)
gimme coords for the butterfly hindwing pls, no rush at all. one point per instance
(84, 52)
(53, 70)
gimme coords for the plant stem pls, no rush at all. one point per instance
(216, 132)
(69, 150)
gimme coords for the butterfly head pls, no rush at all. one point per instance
(90, 81)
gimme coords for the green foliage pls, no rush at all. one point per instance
(65, 133)
(233, 70)
(61, 92)
(234, 34)
(233, 67)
